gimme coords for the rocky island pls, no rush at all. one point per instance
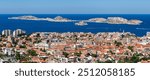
(81, 23)
(98, 20)
(109, 20)
(25, 18)
(116, 20)
(61, 19)
(56, 19)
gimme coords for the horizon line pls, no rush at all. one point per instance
(81, 13)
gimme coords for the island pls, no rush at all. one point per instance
(116, 20)
(25, 18)
(61, 19)
(109, 20)
(81, 23)
(56, 19)
(98, 20)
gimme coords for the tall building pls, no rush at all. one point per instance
(6, 32)
(18, 32)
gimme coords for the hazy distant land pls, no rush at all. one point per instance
(109, 20)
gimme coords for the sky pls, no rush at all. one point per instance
(74, 6)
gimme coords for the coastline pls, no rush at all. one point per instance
(92, 27)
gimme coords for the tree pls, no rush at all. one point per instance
(18, 56)
(94, 55)
(32, 52)
(78, 54)
(135, 58)
(111, 52)
(118, 44)
(131, 48)
(126, 53)
(23, 57)
(1, 55)
(144, 58)
(22, 46)
(127, 60)
(120, 61)
(65, 54)
(44, 50)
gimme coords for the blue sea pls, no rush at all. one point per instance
(45, 26)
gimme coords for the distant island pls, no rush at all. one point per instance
(116, 20)
(56, 19)
(109, 20)
(81, 23)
